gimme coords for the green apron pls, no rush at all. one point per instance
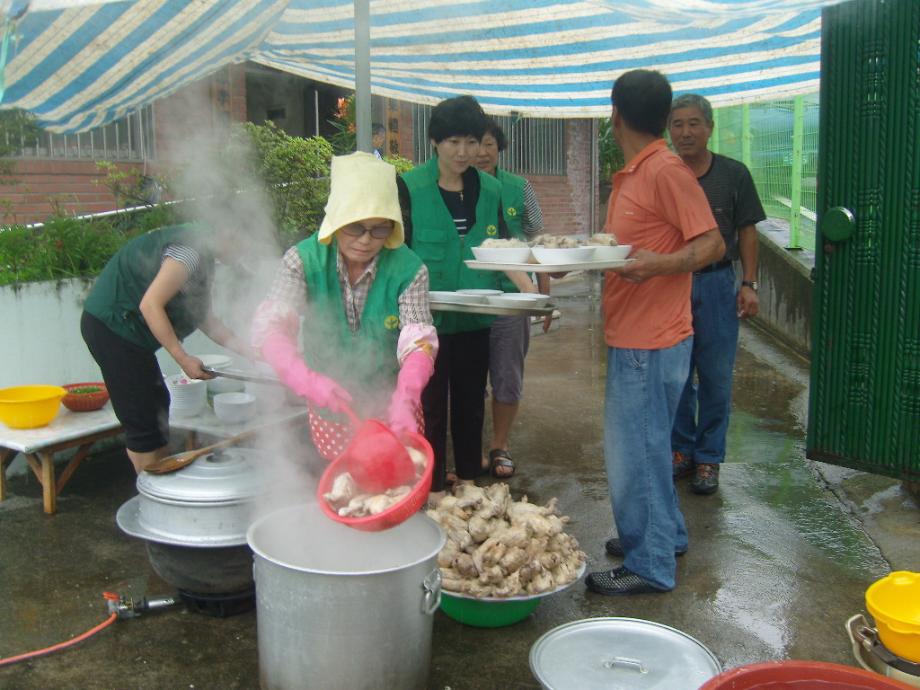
(437, 243)
(116, 295)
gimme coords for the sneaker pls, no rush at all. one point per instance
(706, 480)
(619, 581)
(615, 548)
(683, 466)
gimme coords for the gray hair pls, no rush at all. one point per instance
(693, 100)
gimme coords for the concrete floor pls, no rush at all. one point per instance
(778, 560)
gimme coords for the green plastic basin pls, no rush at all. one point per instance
(487, 614)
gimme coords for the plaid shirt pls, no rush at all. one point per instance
(288, 296)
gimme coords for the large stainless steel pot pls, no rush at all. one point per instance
(195, 520)
(341, 609)
(872, 655)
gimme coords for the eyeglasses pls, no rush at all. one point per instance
(378, 232)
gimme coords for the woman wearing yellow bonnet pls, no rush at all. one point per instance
(359, 299)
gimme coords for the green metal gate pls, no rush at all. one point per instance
(864, 407)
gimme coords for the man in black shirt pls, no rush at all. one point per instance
(698, 436)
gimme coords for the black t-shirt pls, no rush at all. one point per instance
(733, 198)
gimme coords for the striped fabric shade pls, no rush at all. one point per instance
(81, 67)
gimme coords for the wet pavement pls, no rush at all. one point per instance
(779, 558)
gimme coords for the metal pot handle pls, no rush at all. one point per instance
(859, 631)
(634, 664)
(431, 585)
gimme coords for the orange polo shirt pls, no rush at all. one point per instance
(656, 204)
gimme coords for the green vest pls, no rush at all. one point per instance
(116, 295)
(367, 356)
(437, 243)
(513, 212)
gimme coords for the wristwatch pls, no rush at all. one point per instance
(750, 283)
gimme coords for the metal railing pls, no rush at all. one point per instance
(131, 138)
(536, 146)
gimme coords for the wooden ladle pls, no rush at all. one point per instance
(175, 462)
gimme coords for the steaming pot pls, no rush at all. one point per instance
(342, 609)
(195, 520)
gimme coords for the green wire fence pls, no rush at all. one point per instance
(778, 141)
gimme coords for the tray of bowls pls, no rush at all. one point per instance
(493, 302)
(550, 254)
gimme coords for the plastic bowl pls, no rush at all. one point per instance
(486, 613)
(612, 253)
(503, 255)
(799, 675)
(234, 408)
(563, 256)
(29, 407)
(894, 602)
(79, 399)
(395, 514)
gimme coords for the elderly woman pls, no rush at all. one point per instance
(154, 292)
(362, 296)
(449, 207)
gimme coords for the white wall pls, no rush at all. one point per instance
(40, 339)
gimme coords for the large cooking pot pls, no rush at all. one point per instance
(195, 520)
(342, 609)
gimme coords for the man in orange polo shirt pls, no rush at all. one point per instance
(658, 207)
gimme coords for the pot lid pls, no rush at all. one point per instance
(620, 653)
(229, 474)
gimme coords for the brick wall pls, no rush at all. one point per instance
(41, 186)
(44, 185)
(566, 201)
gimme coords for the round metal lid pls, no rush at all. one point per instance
(612, 653)
(226, 475)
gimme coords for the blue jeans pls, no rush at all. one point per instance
(702, 416)
(643, 387)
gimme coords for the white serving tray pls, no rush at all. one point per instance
(491, 309)
(548, 268)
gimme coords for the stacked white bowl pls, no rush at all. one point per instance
(187, 397)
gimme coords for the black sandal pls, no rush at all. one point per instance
(499, 457)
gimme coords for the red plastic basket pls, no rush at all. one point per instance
(394, 515)
(796, 675)
(85, 402)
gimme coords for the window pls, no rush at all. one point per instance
(535, 146)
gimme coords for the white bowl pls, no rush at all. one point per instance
(519, 299)
(234, 408)
(224, 385)
(618, 252)
(502, 255)
(187, 397)
(563, 256)
(455, 297)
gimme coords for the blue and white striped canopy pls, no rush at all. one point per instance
(86, 65)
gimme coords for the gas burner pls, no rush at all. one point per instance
(220, 605)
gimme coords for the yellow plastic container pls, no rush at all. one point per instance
(894, 602)
(28, 407)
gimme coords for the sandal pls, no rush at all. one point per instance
(501, 458)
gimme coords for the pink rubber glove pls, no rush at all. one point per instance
(417, 368)
(281, 353)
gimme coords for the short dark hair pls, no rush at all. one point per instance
(643, 99)
(496, 131)
(377, 128)
(458, 116)
(693, 100)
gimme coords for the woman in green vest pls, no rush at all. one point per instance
(154, 292)
(357, 298)
(509, 338)
(449, 207)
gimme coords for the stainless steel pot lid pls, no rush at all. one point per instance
(129, 521)
(613, 653)
(226, 475)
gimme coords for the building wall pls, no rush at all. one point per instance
(38, 187)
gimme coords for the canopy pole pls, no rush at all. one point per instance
(363, 74)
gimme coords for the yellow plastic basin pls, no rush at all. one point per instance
(894, 602)
(28, 407)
